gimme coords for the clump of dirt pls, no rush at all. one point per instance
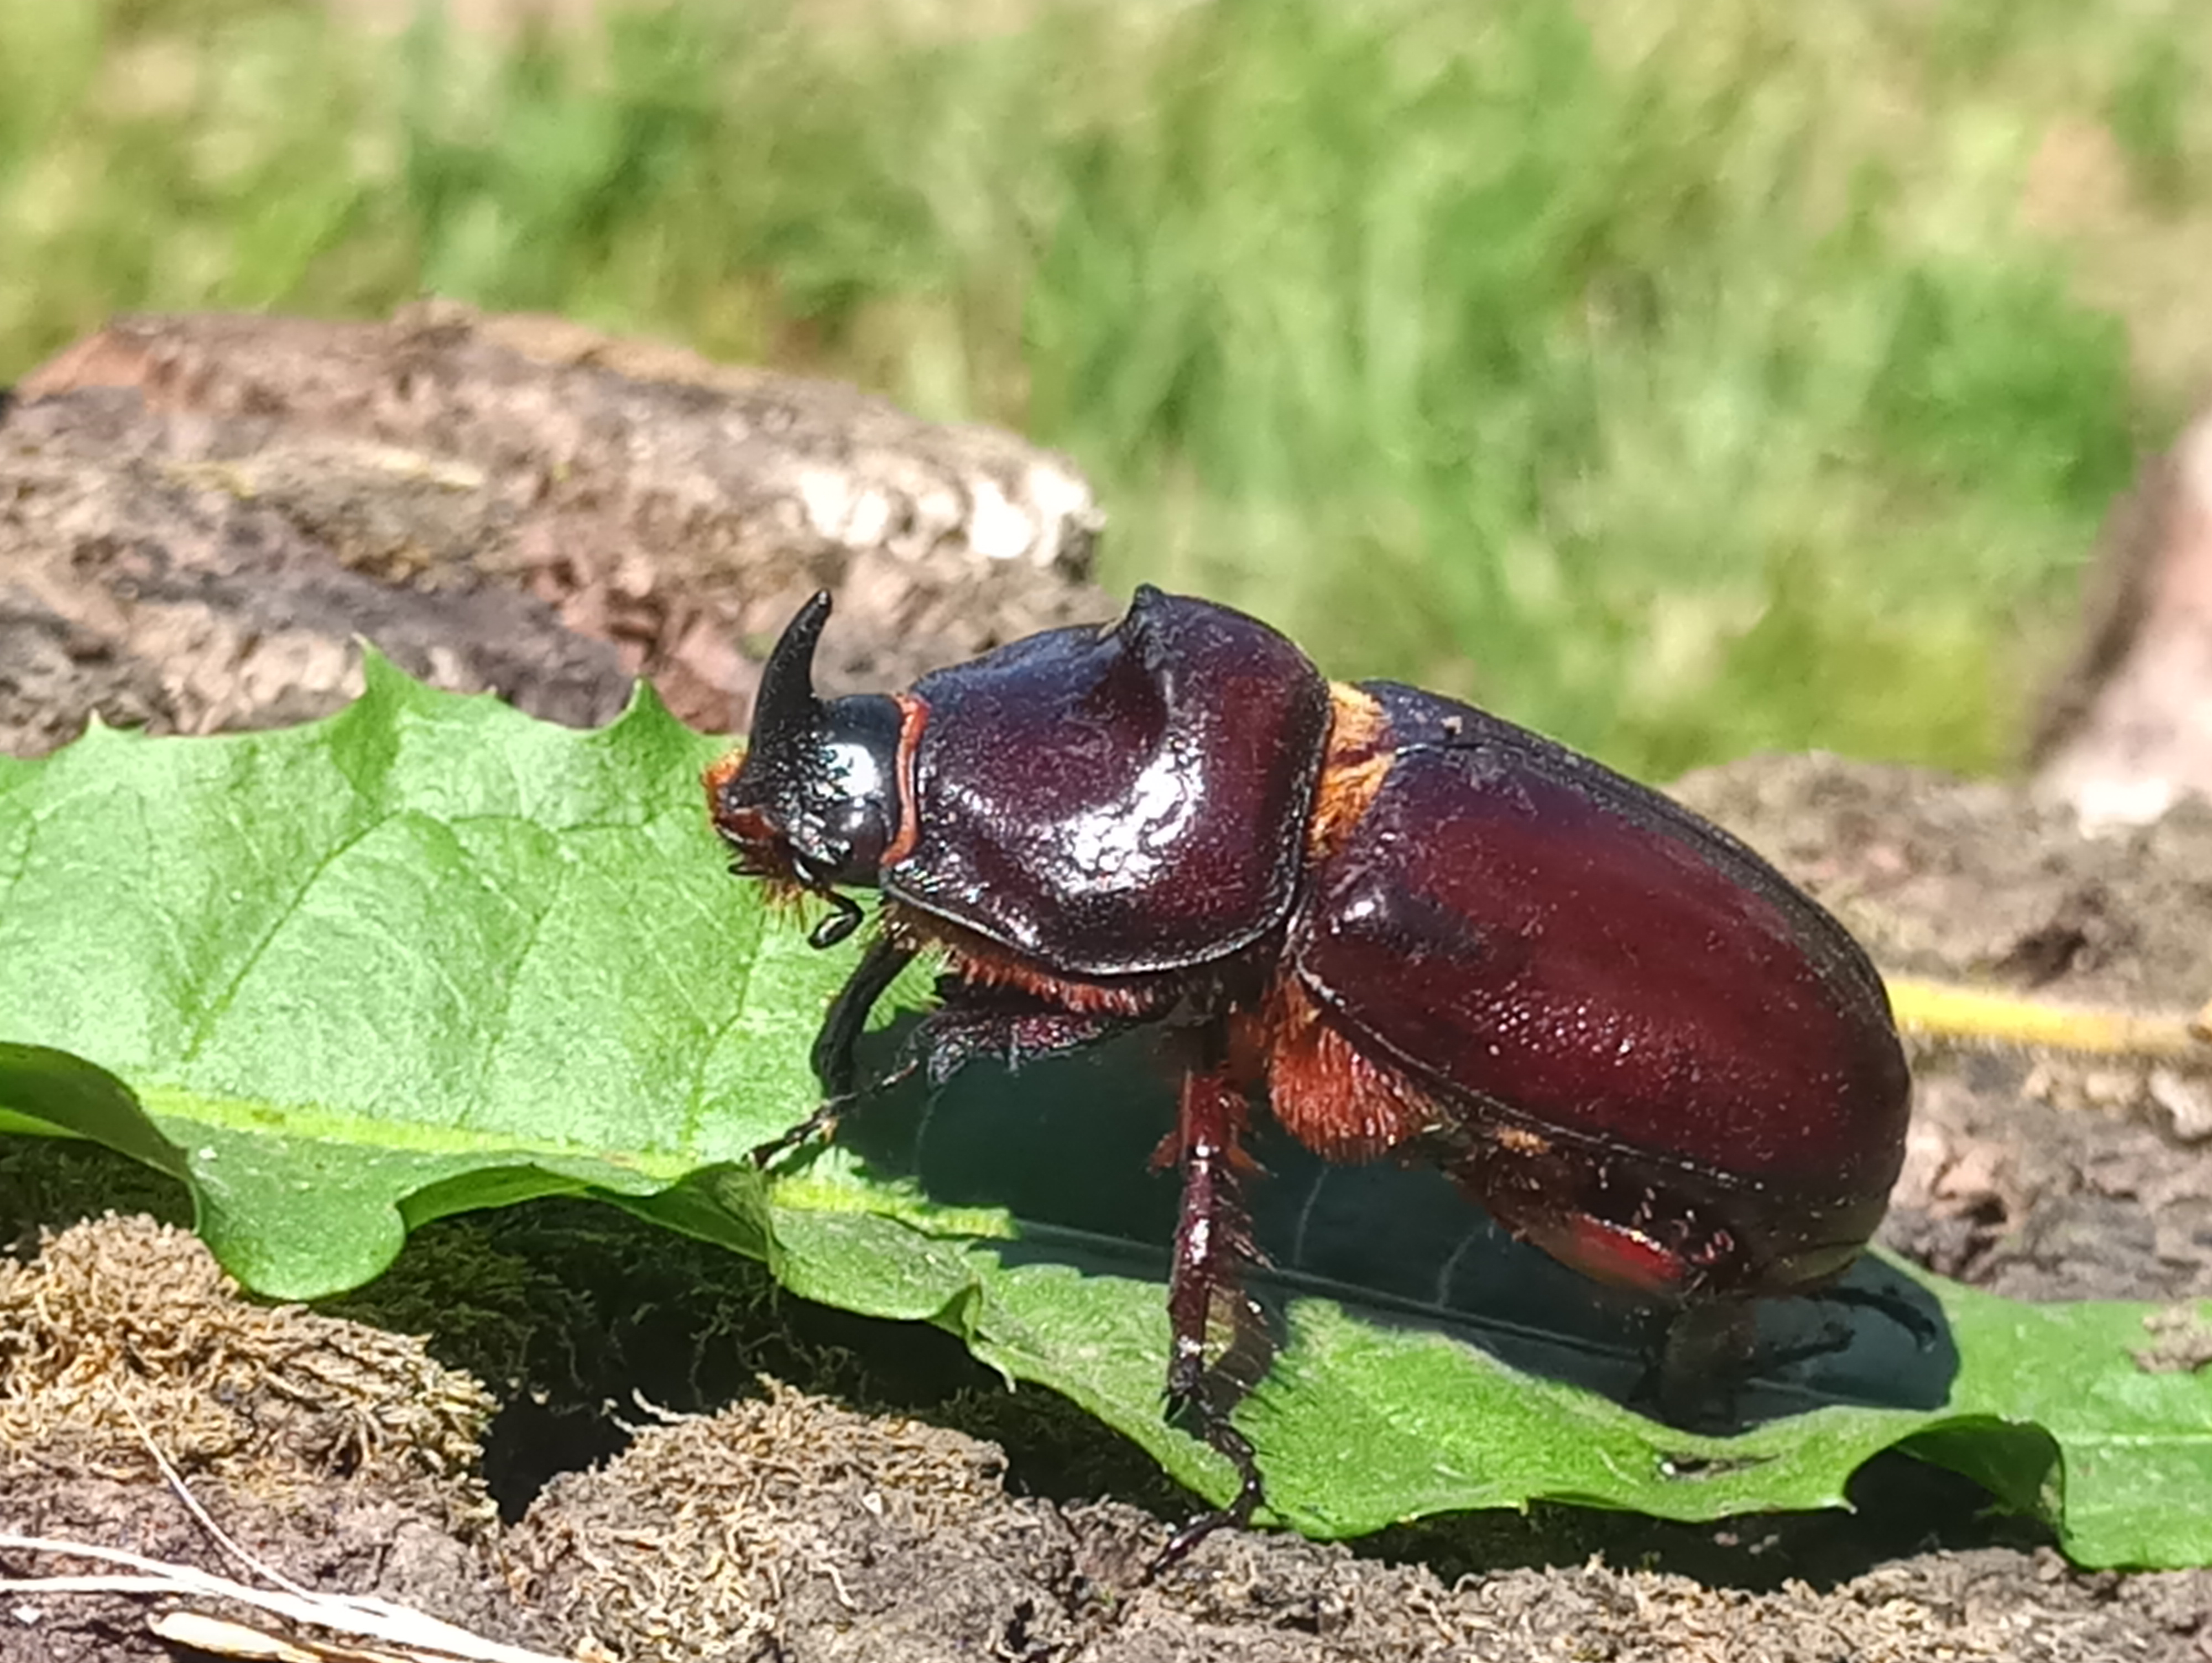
(342, 1456)
(789, 1527)
(708, 1537)
(202, 516)
(127, 1331)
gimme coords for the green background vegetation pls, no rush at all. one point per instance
(1727, 376)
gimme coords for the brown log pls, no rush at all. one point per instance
(200, 515)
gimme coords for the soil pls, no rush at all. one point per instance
(613, 1444)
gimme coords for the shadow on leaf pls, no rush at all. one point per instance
(1066, 1146)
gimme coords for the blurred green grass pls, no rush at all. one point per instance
(1709, 382)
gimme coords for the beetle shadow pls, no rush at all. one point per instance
(1065, 1146)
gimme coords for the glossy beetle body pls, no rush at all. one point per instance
(1429, 933)
(1668, 1067)
(1108, 805)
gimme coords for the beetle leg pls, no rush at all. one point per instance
(1698, 1357)
(1005, 1031)
(847, 1018)
(1212, 1243)
(1225, 1438)
(1212, 1236)
(832, 1060)
(1887, 1303)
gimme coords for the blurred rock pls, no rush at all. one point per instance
(2127, 731)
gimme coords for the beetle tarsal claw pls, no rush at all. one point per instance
(1251, 1495)
(819, 1127)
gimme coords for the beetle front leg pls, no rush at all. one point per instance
(834, 1066)
(1212, 1244)
(848, 1016)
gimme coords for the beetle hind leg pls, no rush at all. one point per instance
(1212, 1246)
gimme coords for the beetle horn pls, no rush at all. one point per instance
(786, 704)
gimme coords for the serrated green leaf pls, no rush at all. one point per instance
(430, 954)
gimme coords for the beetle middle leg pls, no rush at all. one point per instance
(1009, 1029)
(1004, 1025)
(1213, 1245)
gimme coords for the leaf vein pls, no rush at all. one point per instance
(498, 1023)
(213, 1011)
(694, 1112)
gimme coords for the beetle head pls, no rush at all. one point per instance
(813, 802)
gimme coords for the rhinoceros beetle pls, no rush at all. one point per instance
(1426, 932)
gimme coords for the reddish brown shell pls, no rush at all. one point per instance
(1610, 990)
(1121, 801)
